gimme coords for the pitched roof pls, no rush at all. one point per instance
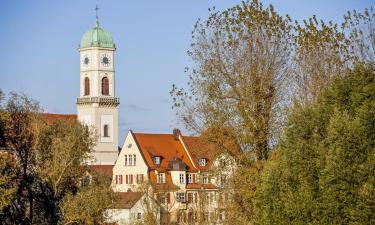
(167, 146)
(126, 200)
(51, 117)
(105, 170)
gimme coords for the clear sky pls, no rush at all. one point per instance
(39, 56)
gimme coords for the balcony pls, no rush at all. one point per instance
(109, 101)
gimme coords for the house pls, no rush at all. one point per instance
(171, 170)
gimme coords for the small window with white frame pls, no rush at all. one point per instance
(181, 197)
(182, 178)
(157, 160)
(202, 162)
(130, 158)
(190, 178)
(161, 178)
(139, 215)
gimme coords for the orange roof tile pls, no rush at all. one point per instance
(164, 145)
(51, 117)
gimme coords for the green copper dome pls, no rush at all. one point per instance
(97, 37)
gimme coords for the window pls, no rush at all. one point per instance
(191, 178)
(181, 197)
(205, 179)
(105, 86)
(87, 86)
(139, 178)
(130, 160)
(162, 198)
(161, 178)
(106, 130)
(129, 179)
(182, 178)
(202, 162)
(139, 215)
(118, 179)
(157, 160)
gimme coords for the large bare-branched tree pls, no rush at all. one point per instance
(238, 81)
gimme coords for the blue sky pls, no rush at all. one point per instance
(39, 56)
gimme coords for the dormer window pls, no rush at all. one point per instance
(157, 160)
(202, 162)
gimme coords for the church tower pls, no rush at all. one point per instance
(97, 104)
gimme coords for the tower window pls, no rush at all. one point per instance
(87, 86)
(105, 86)
(106, 131)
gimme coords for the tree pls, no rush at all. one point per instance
(241, 57)
(321, 53)
(361, 29)
(323, 170)
(51, 159)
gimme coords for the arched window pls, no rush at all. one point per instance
(106, 131)
(105, 86)
(87, 86)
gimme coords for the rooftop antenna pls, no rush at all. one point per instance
(96, 13)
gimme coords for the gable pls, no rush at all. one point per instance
(130, 147)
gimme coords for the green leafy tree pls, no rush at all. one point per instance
(323, 170)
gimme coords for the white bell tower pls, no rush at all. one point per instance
(97, 105)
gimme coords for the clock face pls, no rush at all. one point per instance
(105, 60)
(86, 60)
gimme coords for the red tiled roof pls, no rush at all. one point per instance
(126, 200)
(200, 148)
(105, 170)
(164, 145)
(51, 117)
(201, 186)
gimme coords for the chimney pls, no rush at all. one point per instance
(176, 134)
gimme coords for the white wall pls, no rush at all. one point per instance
(129, 147)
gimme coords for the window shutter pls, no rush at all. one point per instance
(120, 179)
(116, 179)
(142, 178)
(131, 179)
(126, 179)
(193, 178)
(168, 198)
